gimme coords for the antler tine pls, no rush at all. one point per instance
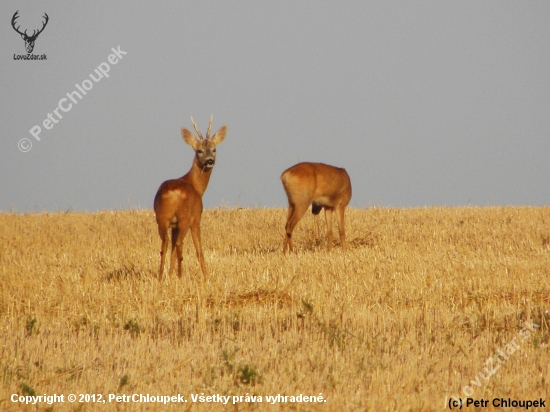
(209, 126)
(196, 128)
(15, 17)
(43, 24)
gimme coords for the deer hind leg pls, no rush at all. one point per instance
(328, 217)
(163, 232)
(295, 213)
(179, 247)
(288, 239)
(315, 210)
(317, 226)
(341, 226)
(175, 234)
(196, 235)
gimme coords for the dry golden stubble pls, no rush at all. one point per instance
(404, 319)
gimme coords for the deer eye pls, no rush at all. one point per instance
(199, 151)
(214, 150)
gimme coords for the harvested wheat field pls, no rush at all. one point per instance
(426, 305)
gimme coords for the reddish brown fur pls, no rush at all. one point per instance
(178, 202)
(323, 187)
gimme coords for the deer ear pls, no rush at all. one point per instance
(189, 138)
(220, 135)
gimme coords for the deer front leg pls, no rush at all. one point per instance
(163, 248)
(196, 235)
(341, 226)
(328, 216)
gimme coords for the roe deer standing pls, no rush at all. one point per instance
(321, 186)
(178, 202)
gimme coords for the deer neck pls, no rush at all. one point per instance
(198, 177)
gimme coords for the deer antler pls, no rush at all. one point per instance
(15, 16)
(34, 33)
(209, 126)
(197, 129)
(43, 26)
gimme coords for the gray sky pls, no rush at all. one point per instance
(423, 102)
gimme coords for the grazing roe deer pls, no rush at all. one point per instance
(178, 202)
(319, 185)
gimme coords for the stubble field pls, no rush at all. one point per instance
(405, 319)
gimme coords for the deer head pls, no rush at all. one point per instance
(205, 147)
(29, 40)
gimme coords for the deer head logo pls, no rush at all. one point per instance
(29, 40)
